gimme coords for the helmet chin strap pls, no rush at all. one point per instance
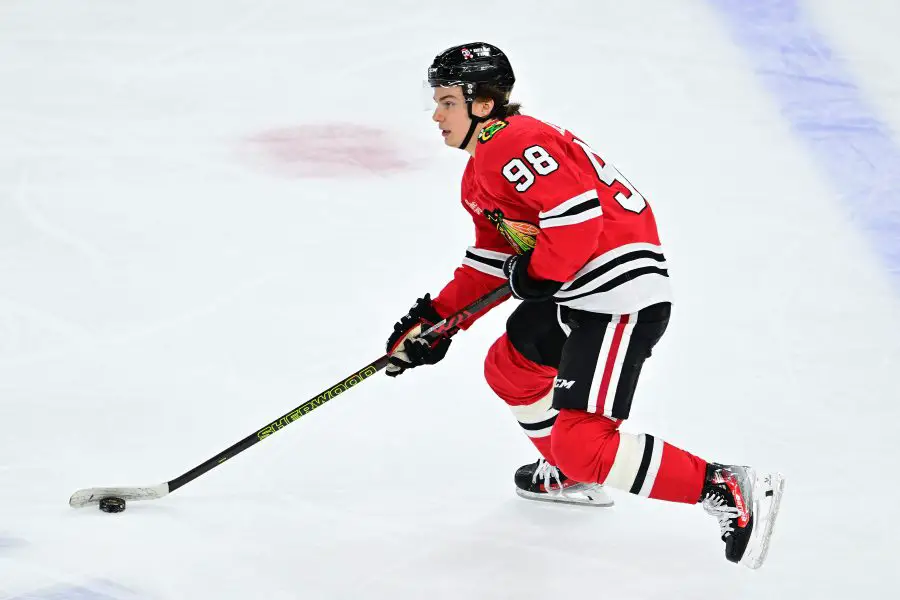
(475, 121)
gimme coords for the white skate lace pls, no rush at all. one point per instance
(715, 505)
(547, 472)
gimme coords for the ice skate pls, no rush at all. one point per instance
(542, 481)
(745, 503)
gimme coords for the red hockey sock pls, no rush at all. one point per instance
(527, 388)
(590, 448)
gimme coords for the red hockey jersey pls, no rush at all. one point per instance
(535, 186)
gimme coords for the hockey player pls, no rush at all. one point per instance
(578, 244)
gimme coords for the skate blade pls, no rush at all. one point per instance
(766, 502)
(580, 495)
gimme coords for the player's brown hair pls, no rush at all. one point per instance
(511, 110)
(502, 107)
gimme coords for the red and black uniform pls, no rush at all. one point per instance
(568, 366)
(534, 186)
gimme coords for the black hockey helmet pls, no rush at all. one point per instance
(480, 69)
(472, 64)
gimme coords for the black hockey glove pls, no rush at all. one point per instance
(407, 350)
(523, 286)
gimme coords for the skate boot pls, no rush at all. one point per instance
(542, 481)
(745, 503)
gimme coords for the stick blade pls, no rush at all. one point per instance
(92, 496)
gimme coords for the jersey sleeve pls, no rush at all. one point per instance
(481, 272)
(542, 171)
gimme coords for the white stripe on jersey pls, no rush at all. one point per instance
(489, 262)
(489, 254)
(581, 217)
(565, 205)
(636, 283)
(629, 297)
(610, 275)
(486, 269)
(608, 256)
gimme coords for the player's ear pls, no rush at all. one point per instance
(483, 108)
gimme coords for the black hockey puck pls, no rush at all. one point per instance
(112, 504)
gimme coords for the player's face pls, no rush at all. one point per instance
(451, 115)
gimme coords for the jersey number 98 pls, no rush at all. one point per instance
(517, 172)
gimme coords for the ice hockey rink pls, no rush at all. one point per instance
(211, 211)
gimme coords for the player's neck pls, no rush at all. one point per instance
(473, 143)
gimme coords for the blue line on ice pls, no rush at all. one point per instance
(827, 110)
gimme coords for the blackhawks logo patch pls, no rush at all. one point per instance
(521, 235)
(489, 131)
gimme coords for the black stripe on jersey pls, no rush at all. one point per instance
(577, 209)
(645, 465)
(612, 264)
(491, 262)
(617, 281)
(539, 426)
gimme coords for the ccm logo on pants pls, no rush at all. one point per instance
(602, 359)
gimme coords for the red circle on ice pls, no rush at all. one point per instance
(327, 150)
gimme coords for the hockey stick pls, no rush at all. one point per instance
(89, 496)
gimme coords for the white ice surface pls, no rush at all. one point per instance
(163, 294)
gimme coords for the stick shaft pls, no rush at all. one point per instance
(445, 327)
